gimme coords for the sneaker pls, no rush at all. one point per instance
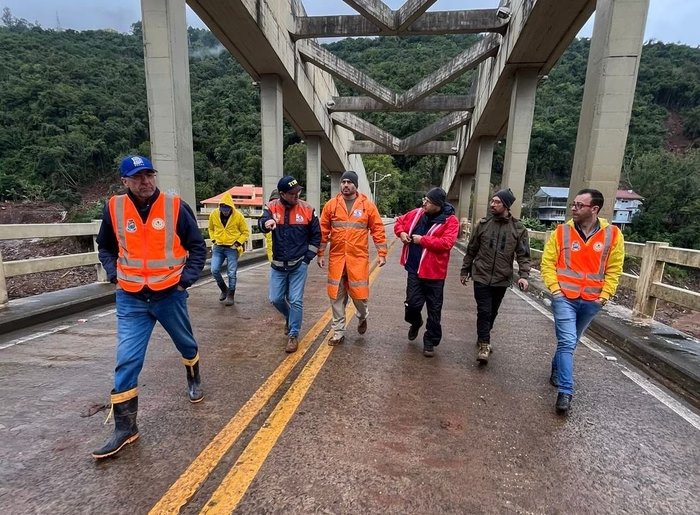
(336, 340)
(362, 326)
(428, 350)
(484, 351)
(413, 332)
(563, 403)
(292, 345)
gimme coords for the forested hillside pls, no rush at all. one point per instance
(72, 103)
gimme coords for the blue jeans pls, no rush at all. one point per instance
(135, 321)
(571, 318)
(219, 254)
(287, 295)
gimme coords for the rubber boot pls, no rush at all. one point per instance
(125, 429)
(230, 298)
(194, 383)
(224, 290)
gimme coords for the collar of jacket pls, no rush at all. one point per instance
(148, 203)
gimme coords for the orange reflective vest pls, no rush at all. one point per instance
(348, 234)
(150, 254)
(581, 264)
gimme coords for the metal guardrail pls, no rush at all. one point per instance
(50, 263)
(648, 285)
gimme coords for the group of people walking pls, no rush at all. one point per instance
(151, 248)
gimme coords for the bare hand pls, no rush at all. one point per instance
(523, 284)
(270, 225)
(416, 238)
(381, 261)
(321, 261)
(464, 279)
(404, 238)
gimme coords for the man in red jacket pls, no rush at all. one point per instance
(428, 234)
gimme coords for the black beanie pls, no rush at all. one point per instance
(437, 196)
(351, 176)
(506, 197)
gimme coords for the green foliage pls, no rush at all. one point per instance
(72, 103)
(533, 224)
(88, 214)
(670, 185)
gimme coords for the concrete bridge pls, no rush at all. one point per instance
(276, 42)
(371, 426)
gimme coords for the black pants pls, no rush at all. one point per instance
(488, 300)
(428, 292)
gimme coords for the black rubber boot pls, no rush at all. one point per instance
(230, 298)
(194, 383)
(224, 290)
(125, 430)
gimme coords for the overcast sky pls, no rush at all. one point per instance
(670, 21)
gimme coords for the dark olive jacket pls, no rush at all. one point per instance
(493, 245)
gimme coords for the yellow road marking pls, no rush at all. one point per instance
(236, 483)
(185, 487)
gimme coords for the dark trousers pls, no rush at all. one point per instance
(488, 300)
(428, 292)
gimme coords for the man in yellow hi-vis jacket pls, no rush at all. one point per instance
(581, 266)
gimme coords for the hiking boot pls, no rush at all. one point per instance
(336, 340)
(413, 332)
(224, 291)
(563, 403)
(292, 345)
(484, 351)
(362, 326)
(230, 298)
(428, 350)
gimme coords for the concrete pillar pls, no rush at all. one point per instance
(465, 196)
(168, 93)
(482, 186)
(272, 123)
(611, 77)
(313, 172)
(335, 183)
(522, 110)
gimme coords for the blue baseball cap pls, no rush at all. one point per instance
(131, 165)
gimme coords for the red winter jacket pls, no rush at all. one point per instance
(436, 243)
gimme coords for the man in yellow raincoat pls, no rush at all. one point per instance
(228, 231)
(346, 221)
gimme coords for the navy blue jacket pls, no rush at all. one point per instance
(297, 235)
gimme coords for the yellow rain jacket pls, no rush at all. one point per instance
(236, 229)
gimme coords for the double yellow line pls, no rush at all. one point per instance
(236, 483)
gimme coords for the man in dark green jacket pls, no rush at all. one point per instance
(495, 242)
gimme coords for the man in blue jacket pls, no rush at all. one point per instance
(151, 248)
(296, 236)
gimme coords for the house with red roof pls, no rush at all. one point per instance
(247, 198)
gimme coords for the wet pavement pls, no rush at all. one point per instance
(366, 427)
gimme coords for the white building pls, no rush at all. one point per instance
(551, 205)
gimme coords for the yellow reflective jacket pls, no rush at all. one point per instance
(613, 266)
(236, 229)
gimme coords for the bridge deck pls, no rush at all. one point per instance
(369, 426)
